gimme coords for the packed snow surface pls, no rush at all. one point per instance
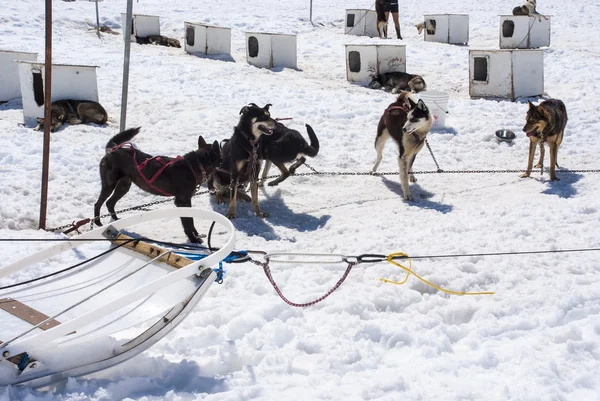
(536, 338)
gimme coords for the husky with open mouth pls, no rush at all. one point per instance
(241, 157)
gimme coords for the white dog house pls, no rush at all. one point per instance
(270, 50)
(10, 87)
(524, 32)
(207, 39)
(506, 74)
(448, 28)
(68, 82)
(363, 61)
(142, 25)
(361, 23)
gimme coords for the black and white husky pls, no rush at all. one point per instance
(408, 122)
(526, 9)
(397, 82)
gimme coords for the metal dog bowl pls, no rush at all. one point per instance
(505, 135)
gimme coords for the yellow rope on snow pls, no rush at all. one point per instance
(409, 271)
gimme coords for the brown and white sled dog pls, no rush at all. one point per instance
(545, 124)
(382, 25)
(408, 123)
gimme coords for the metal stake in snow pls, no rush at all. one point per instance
(47, 118)
(97, 19)
(127, 38)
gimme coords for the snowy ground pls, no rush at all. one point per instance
(537, 338)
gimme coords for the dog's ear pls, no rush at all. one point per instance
(201, 142)
(421, 105)
(40, 119)
(61, 117)
(244, 110)
(215, 147)
(411, 102)
(267, 106)
(531, 105)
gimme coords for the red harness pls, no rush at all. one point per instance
(163, 165)
(404, 108)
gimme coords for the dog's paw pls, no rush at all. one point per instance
(262, 214)
(409, 197)
(230, 215)
(525, 175)
(539, 165)
(555, 178)
(412, 178)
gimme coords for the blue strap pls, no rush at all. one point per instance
(232, 257)
(24, 361)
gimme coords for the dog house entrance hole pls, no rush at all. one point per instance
(350, 20)
(38, 88)
(190, 34)
(508, 29)
(481, 69)
(354, 61)
(252, 46)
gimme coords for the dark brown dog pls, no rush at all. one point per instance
(74, 112)
(179, 177)
(545, 124)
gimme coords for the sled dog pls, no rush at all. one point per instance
(242, 158)
(545, 123)
(159, 175)
(74, 112)
(398, 81)
(407, 122)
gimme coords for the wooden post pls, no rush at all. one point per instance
(47, 115)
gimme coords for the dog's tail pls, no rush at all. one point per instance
(313, 148)
(122, 137)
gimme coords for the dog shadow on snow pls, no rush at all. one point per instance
(423, 197)
(563, 188)
(279, 215)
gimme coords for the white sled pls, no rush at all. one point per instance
(105, 311)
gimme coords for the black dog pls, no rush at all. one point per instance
(285, 146)
(157, 40)
(242, 159)
(159, 175)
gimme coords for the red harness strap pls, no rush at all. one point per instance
(403, 108)
(164, 164)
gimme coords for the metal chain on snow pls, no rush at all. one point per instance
(439, 170)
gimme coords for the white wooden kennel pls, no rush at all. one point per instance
(142, 25)
(270, 50)
(449, 28)
(506, 74)
(207, 39)
(363, 61)
(524, 32)
(361, 23)
(10, 87)
(68, 82)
